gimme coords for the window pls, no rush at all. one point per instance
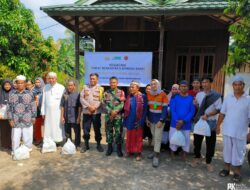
(194, 67)
(194, 62)
(208, 65)
(181, 69)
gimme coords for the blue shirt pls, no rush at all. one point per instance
(182, 108)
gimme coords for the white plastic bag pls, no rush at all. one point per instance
(202, 128)
(3, 111)
(48, 145)
(69, 147)
(21, 153)
(178, 138)
(165, 137)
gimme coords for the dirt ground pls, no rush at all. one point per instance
(93, 170)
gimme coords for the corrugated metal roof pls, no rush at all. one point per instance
(132, 7)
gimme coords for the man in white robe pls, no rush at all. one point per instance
(52, 94)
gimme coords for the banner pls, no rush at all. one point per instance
(126, 66)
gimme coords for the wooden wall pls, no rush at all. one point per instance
(140, 34)
(194, 31)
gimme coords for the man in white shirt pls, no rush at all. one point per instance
(52, 94)
(208, 103)
(235, 112)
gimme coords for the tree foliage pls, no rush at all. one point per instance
(66, 56)
(239, 51)
(6, 73)
(22, 47)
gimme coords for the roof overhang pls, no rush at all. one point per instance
(92, 16)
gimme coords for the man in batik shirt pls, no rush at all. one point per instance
(21, 114)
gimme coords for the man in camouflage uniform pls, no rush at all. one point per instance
(90, 98)
(113, 102)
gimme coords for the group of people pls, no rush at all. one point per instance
(153, 114)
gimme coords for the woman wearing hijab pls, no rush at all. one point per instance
(165, 136)
(173, 92)
(158, 104)
(5, 129)
(135, 110)
(37, 91)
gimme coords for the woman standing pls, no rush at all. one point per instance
(135, 110)
(29, 85)
(158, 105)
(37, 91)
(5, 129)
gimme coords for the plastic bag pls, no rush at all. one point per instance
(202, 128)
(48, 145)
(178, 139)
(3, 112)
(69, 147)
(165, 137)
(21, 153)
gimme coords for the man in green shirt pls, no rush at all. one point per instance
(113, 101)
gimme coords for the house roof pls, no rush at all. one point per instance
(93, 13)
(136, 8)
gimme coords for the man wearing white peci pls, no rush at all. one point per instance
(52, 94)
(21, 114)
(235, 112)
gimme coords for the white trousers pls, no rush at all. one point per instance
(26, 134)
(234, 150)
(157, 136)
(186, 133)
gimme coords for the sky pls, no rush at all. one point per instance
(44, 21)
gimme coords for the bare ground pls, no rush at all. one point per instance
(93, 170)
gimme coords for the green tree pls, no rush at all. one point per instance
(22, 47)
(6, 73)
(239, 51)
(66, 57)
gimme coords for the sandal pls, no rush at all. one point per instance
(224, 173)
(138, 158)
(237, 178)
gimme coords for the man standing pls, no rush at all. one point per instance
(52, 95)
(182, 111)
(21, 114)
(235, 112)
(91, 97)
(113, 101)
(209, 104)
(196, 87)
(71, 112)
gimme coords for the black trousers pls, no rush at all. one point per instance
(210, 146)
(87, 121)
(77, 132)
(146, 132)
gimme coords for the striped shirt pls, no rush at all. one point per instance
(158, 105)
